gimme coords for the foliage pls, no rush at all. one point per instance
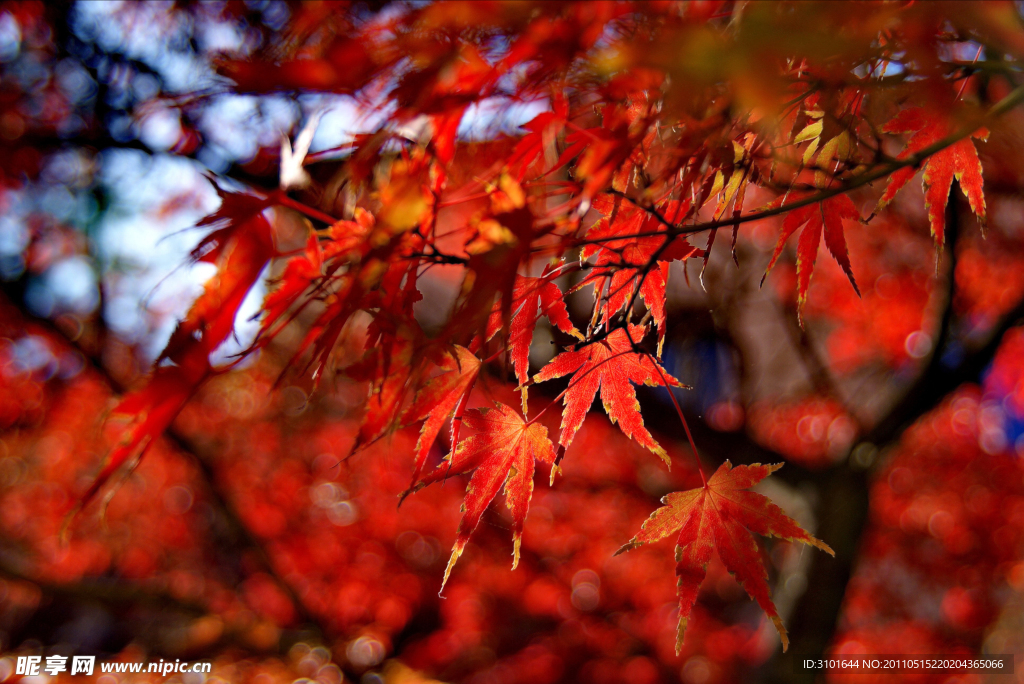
(720, 516)
(435, 285)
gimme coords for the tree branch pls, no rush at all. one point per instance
(912, 160)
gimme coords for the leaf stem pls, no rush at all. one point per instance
(682, 418)
(284, 200)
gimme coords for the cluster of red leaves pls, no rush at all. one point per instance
(624, 265)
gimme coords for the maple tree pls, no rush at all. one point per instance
(520, 215)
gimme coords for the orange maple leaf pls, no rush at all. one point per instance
(959, 160)
(826, 216)
(722, 515)
(503, 451)
(610, 365)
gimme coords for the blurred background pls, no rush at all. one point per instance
(247, 537)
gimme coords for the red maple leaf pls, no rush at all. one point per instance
(299, 274)
(241, 250)
(959, 160)
(611, 365)
(531, 298)
(828, 216)
(441, 398)
(503, 452)
(231, 217)
(624, 260)
(722, 515)
(543, 130)
(393, 371)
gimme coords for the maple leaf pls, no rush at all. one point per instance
(826, 216)
(240, 260)
(503, 451)
(392, 369)
(959, 161)
(442, 397)
(240, 250)
(543, 130)
(531, 298)
(358, 265)
(150, 411)
(611, 365)
(231, 217)
(299, 274)
(840, 145)
(729, 194)
(622, 260)
(722, 515)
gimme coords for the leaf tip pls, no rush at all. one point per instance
(783, 634)
(456, 552)
(823, 546)
(64, 536)
(680, 630)
(517, 541)
(401, 497)
(555, 470)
